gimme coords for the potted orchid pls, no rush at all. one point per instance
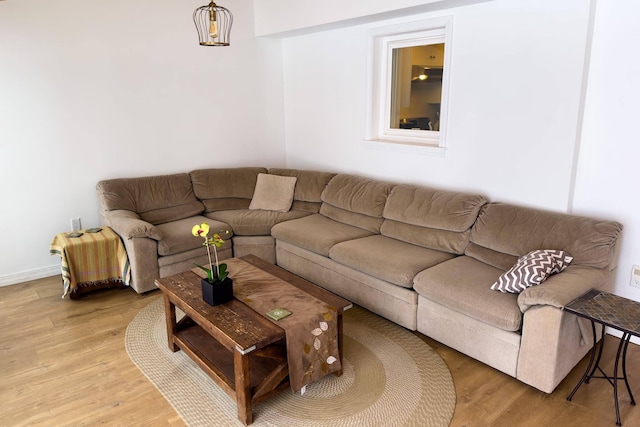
(217, 288)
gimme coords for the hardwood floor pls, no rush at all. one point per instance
(63, 363)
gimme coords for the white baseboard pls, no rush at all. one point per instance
(25, 276)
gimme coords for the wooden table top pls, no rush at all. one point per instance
(235, 324)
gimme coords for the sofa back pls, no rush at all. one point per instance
(355, 201)
(226, 188)
(431, 218)
(504, 232)
(156, 199)
(309, 187)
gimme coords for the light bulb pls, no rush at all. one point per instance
(213, 29)
(213, 25)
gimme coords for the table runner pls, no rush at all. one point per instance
(311, 330)
(91, 258)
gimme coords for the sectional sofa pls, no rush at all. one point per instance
(422, 257)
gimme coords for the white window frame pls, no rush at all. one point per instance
(382, 41)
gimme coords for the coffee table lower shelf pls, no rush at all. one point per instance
(247, 378)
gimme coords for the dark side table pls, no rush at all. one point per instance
(615, 312)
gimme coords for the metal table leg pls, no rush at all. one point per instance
(587, 375)
(624, 368)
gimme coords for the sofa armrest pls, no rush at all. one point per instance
(553, 340)
(128, 225)
(560, 289)
(140, 242)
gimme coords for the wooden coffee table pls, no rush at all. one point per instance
(240, 349)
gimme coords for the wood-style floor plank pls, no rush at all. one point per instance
(63, 363)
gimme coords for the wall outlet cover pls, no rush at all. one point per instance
(635, 276)
(75, 224)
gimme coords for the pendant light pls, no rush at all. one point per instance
(213, 23)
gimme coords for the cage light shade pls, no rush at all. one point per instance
(213, 23)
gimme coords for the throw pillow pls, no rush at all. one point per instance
(273, 193)
(532, 269)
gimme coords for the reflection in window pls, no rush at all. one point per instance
(416, 87)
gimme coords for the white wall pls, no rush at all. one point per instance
(608, 167)
(92, 90)
(517, 131)
(287, 17)
(515, 102)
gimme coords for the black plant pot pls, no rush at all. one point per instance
(218, 293)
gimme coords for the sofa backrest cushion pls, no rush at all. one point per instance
(225, 188)
(156, 199)
(505, 232)
(355, 201)
(431, 218)
(309, 187)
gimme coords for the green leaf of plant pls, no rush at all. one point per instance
(206, 270)
(223, 273)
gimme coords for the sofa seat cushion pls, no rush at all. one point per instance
(250, 222)
(316, 233)
(177, 237)
(463, 284)
(388, 259)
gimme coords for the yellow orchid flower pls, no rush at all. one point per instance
(216, 240)
(220, 272)
(200, 230)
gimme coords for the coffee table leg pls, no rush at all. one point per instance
(340, 344)
(243, 391)
(170, 317)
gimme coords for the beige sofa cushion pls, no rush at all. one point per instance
(386, 258)
(505, 232)
(435, 219)
(355, 201)
(225, 188)
(316, 233)
(309, 187)
(161, 216)
(177, 237)
(157, 199)
(273, 193)
(245, 222)
(462, 284)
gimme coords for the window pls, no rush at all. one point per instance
(409, 84)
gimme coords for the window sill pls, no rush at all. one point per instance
(405, 147)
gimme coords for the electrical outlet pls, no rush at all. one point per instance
(75, 224)
(635, 276)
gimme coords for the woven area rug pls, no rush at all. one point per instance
(391, 378)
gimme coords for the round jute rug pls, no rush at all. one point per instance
(391, 378)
